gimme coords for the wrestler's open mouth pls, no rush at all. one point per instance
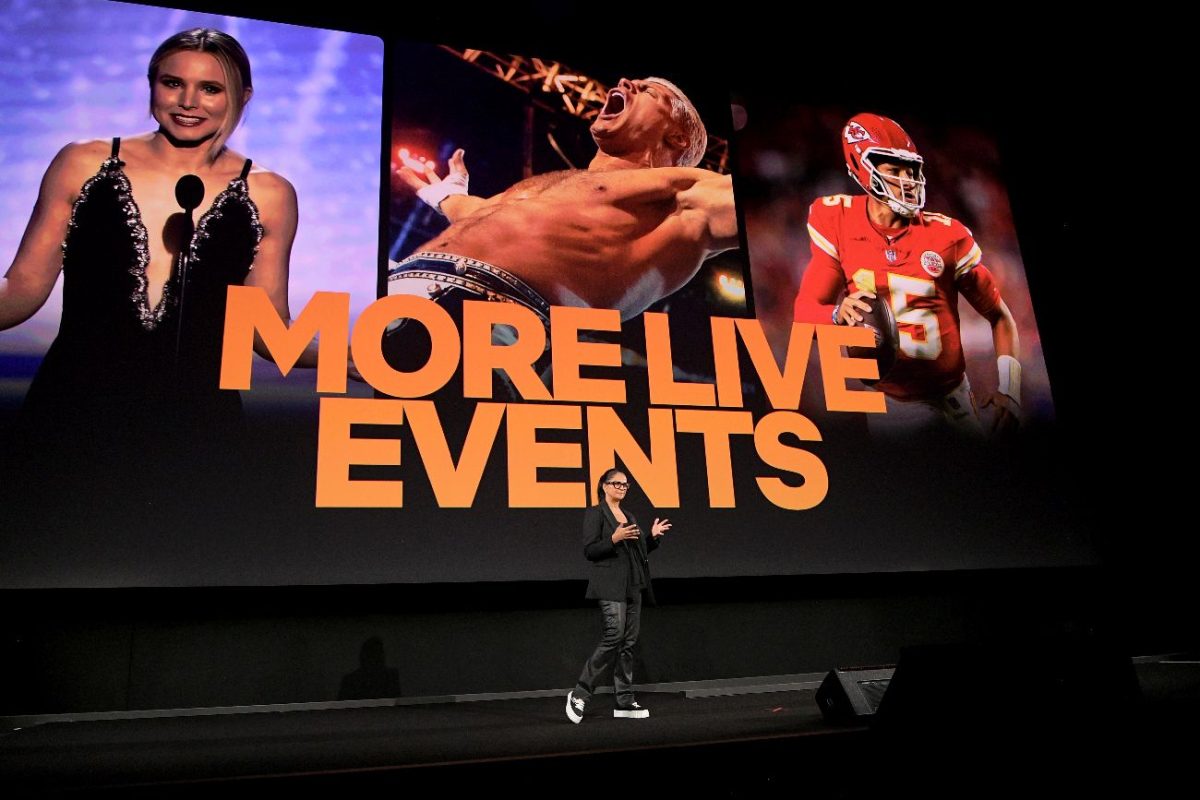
(614, 106)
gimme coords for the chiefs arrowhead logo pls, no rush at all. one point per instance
(856, 133)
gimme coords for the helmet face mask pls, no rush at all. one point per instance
(903, 194)
(871, 142)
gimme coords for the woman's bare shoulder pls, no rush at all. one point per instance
(263, 179)
(75, 163)
(94, 151)
(273, 194)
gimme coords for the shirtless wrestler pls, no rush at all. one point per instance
(629, 230)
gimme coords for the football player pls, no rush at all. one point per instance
(884, 247)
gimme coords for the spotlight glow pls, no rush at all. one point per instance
(731, 288)
(415, 161)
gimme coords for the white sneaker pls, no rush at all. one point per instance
(575, 707)
(632, 711)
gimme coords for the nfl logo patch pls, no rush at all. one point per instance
(932, 263)
(891, 254)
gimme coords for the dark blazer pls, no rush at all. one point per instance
(609, 579)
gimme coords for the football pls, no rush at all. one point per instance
(887, 338)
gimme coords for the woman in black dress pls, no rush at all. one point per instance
(130, 386)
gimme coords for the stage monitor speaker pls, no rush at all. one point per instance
(853, 694)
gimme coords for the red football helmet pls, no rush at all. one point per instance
(869, 140)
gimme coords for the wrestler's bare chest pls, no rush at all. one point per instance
(535, 187)
(578, 186)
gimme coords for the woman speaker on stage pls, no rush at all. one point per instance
(615, 545)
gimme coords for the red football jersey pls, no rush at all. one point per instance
(919, 270)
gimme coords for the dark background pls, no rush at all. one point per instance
(1075, 174)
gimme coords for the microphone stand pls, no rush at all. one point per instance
(189, 191)
(184, 257)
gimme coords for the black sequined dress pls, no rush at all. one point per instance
(113, 348)
(127, 401)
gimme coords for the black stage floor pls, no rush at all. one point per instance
(343, 742)
(772, 744)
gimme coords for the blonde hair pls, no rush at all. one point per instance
(688, 118)
(235, 66)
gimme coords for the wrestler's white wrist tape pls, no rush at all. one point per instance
(1010, 377)
(435, 193)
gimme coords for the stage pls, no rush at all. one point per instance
(379, 744)
(747, 738)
